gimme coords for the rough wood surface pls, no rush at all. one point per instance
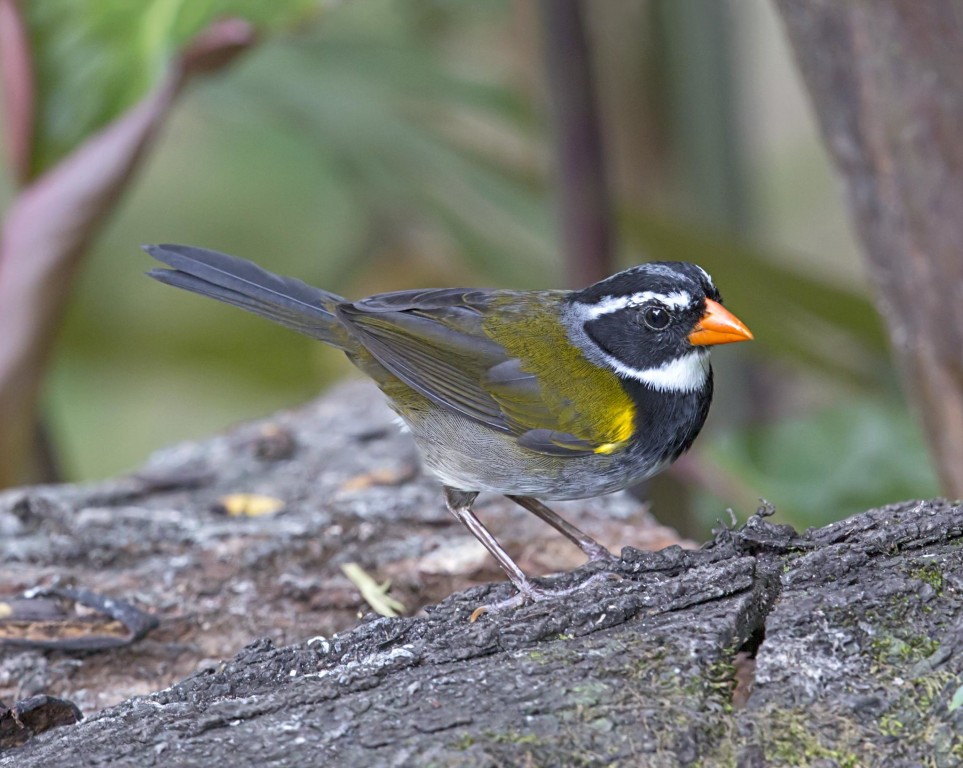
(842, 646)
(886, 79)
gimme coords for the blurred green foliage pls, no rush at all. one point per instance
(95, 58)
(333, 155)
(832, 463)
(387, 146)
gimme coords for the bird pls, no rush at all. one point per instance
(537, 395)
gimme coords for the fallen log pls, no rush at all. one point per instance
(839, 646)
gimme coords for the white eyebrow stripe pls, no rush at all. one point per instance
(609, 304)
(707, 276)
(684, 374)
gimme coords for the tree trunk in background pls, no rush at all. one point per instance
(584, 209)
(702, 103)
(628, 62)
(707, 186)
(886, 79)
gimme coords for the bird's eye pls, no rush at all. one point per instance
(657, 318)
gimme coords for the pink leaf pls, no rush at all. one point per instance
(50, 224)
(16, 74)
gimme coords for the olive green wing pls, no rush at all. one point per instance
(435, 341)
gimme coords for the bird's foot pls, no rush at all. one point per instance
(596, 553)
(529, 593)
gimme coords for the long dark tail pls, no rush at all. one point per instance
(244, 284)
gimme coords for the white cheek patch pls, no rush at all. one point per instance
(609, 304)
(684, 374)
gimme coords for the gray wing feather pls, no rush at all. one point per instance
(436, 349)
(434, 341)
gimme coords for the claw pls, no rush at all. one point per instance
(536, 595)
(601, 555)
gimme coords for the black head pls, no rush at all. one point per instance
(639, 322)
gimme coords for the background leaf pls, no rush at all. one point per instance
(833, 463)
(96, 58)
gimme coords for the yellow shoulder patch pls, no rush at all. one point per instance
(623, 427)
(584, 400)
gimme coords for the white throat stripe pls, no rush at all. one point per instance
(684, 374)
(609, 304)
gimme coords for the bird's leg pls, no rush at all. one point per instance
(459, 504)
(595, 551)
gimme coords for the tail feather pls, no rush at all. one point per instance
(242, 283)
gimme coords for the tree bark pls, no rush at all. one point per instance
(840, 646)
(886, 79)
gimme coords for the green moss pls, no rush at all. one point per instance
(891, 725)
(463, 742)
(787, 740)
(931, 574)
(889, 649)
(514, 737)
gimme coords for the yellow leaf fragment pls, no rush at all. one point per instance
(374, 594)
(382, 476)
(250, 505)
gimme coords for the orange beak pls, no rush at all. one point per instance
(718, 326)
